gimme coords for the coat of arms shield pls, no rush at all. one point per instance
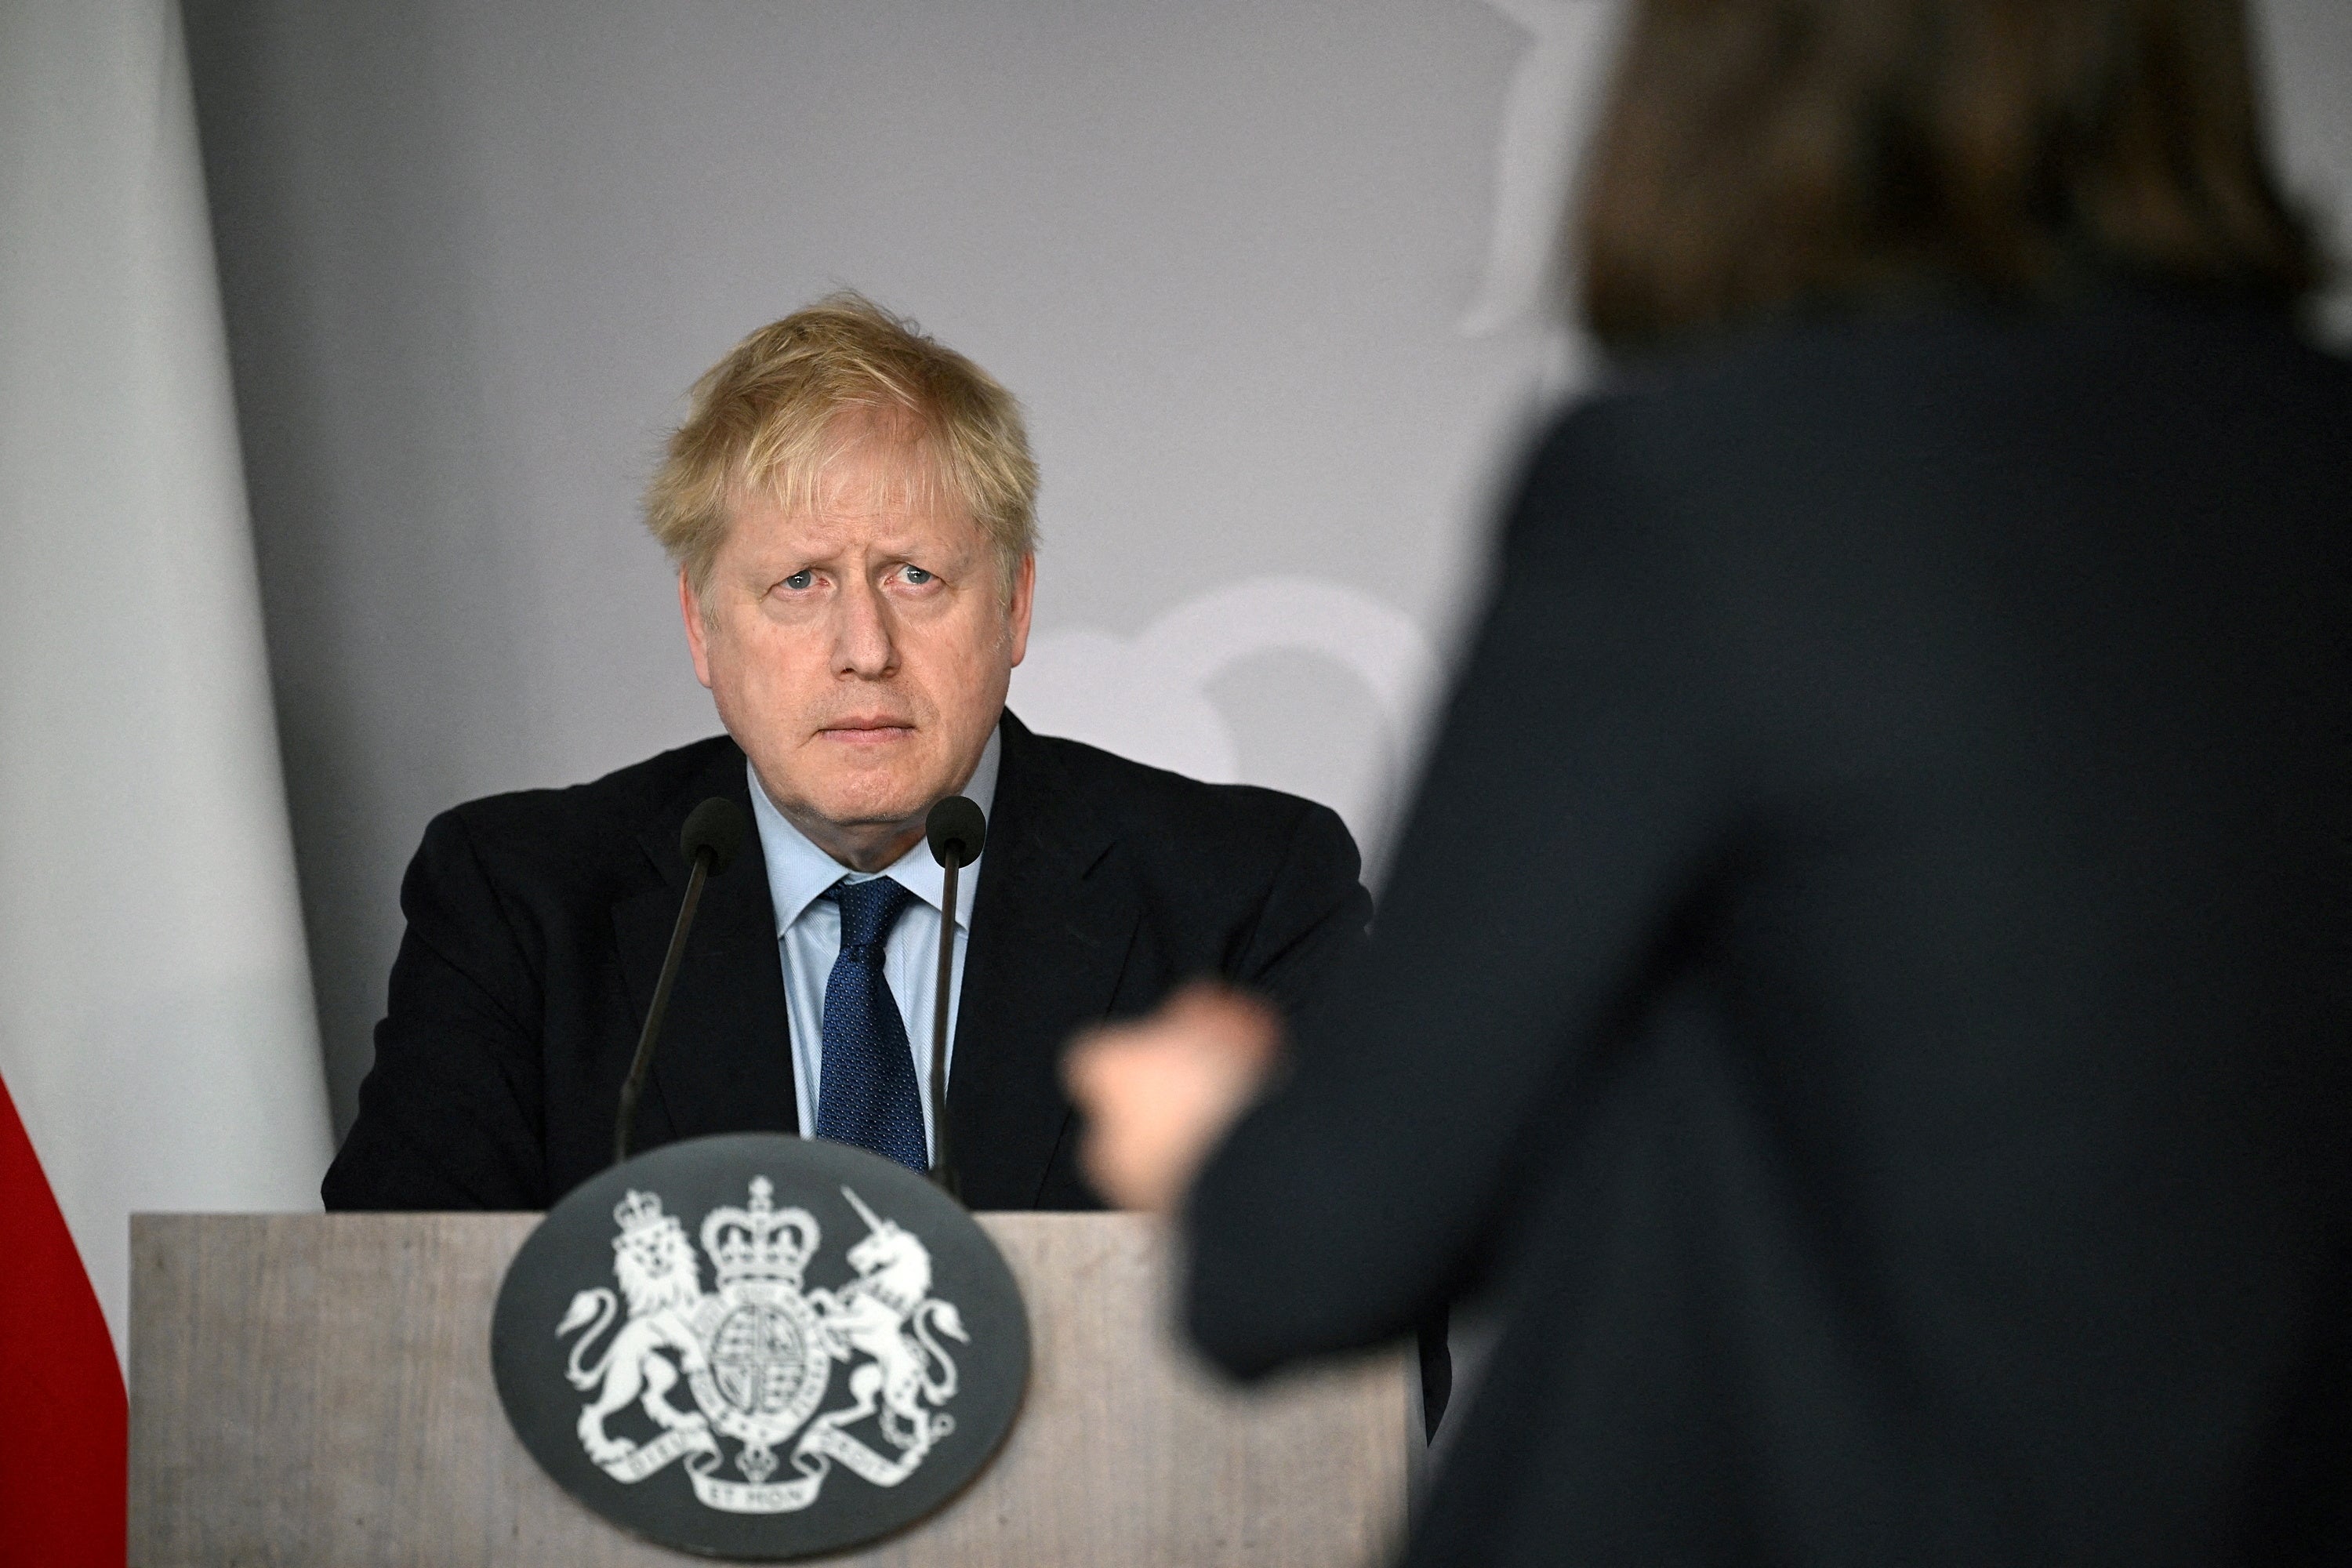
(759, 1346)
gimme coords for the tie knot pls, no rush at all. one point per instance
(868, 909)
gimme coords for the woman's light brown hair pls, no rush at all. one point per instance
(1763, 155)
(764, 420)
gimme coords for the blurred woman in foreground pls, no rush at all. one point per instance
(1866, 979)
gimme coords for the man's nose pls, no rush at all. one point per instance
(862, 644)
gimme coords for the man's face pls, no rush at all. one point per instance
(859, 648)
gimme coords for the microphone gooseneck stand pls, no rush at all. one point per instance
(714, 833)
(956, 829)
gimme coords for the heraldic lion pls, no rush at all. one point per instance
(658, 1272)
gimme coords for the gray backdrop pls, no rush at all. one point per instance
(1264, 272)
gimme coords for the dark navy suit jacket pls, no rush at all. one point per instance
(1867, 980)
(537, 923)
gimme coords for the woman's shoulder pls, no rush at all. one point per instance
(1802, 398)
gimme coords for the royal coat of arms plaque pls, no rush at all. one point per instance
(758, 1346)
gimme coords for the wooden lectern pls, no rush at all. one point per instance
(310, 1388)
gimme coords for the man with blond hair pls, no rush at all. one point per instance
(850, 508)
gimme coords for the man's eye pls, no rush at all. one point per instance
(799, 580)
(917, 576)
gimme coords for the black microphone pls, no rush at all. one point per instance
(956, 830)
(714, 834)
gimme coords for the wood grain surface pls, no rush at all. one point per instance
(316, 1389)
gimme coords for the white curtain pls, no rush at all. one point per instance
(156, 1028)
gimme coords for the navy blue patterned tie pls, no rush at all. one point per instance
(866, 1092)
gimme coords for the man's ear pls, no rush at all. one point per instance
(696, 634)
(1024, 594)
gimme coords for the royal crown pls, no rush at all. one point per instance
(761, 1243)
(638, 1210)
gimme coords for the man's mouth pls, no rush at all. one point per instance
(867, 732)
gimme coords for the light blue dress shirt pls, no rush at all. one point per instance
(808, 937)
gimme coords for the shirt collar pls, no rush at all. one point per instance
(799, 873)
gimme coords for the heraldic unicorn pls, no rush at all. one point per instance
(757, 1352)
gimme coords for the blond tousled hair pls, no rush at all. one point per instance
(766, 419)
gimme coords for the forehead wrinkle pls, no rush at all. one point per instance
(850, 519)
(906, 477)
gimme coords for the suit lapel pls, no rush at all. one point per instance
(1050, 931)
(724, 1061)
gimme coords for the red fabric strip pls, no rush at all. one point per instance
(64, 1420)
